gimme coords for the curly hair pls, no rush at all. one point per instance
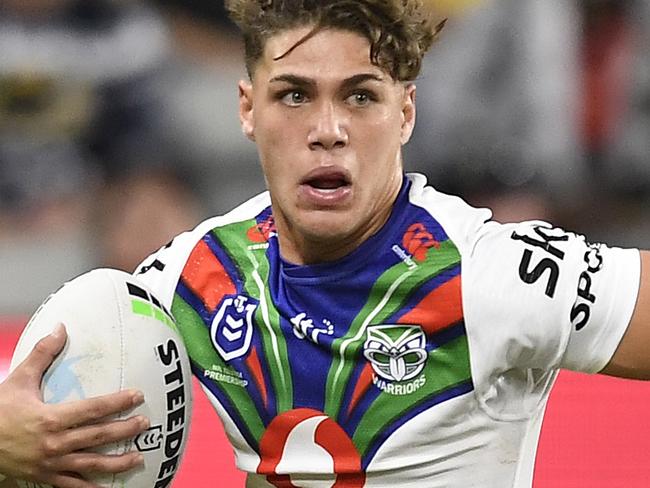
(399, 31)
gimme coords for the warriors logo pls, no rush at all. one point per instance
(396, 352)
(232, 327)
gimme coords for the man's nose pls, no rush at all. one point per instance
(329, 129)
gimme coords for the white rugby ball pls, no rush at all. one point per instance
(119, 337)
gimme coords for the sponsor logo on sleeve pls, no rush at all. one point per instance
(545, 239)
(548, 267)
(581, 311)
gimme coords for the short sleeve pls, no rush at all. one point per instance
(161, 270)
(607, 293)
(539, 298)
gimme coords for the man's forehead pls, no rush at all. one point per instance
(323, 53)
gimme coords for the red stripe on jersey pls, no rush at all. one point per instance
(364, 382)
(439, 309)
(206, 277)
(253, 363)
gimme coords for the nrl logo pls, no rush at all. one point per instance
(396, 352)
(232, 328)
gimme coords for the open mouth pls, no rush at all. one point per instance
(327, 186)
(327, 179)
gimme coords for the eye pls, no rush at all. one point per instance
(293, 98)
(360, 98)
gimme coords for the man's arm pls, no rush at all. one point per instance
(632, 357)
(42, 442)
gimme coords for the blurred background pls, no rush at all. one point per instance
(119, 128)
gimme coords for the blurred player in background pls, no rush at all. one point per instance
(77, 102)
(353, 326)
(540, 112)
(81, 104)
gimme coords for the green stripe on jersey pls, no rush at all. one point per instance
(199, 347)
(253, 264)
(388, 295)
(447, 366)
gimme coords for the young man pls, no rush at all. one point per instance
(353, 327)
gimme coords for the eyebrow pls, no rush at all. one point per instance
(310, 83)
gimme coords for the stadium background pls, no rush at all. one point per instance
(118, 119)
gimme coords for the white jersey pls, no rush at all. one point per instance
(423, 359)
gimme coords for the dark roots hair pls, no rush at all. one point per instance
(399, 31)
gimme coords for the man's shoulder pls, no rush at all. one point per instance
(462, 222)
(162, 269)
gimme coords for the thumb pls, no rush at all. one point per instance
(45, 351)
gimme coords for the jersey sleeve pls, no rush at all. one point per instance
(162, 269)
(539, 298)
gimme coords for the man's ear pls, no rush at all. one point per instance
(408, 113)
(246, 109)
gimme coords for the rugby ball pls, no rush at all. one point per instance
(120, 337)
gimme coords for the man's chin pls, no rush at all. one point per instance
(326, 233)
(318, 235)
(333, 240)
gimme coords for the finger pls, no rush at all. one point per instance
(45, 351)
(91, 410)
(90, 462)
(101, 434)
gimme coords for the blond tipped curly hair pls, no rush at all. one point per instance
(399, 31)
